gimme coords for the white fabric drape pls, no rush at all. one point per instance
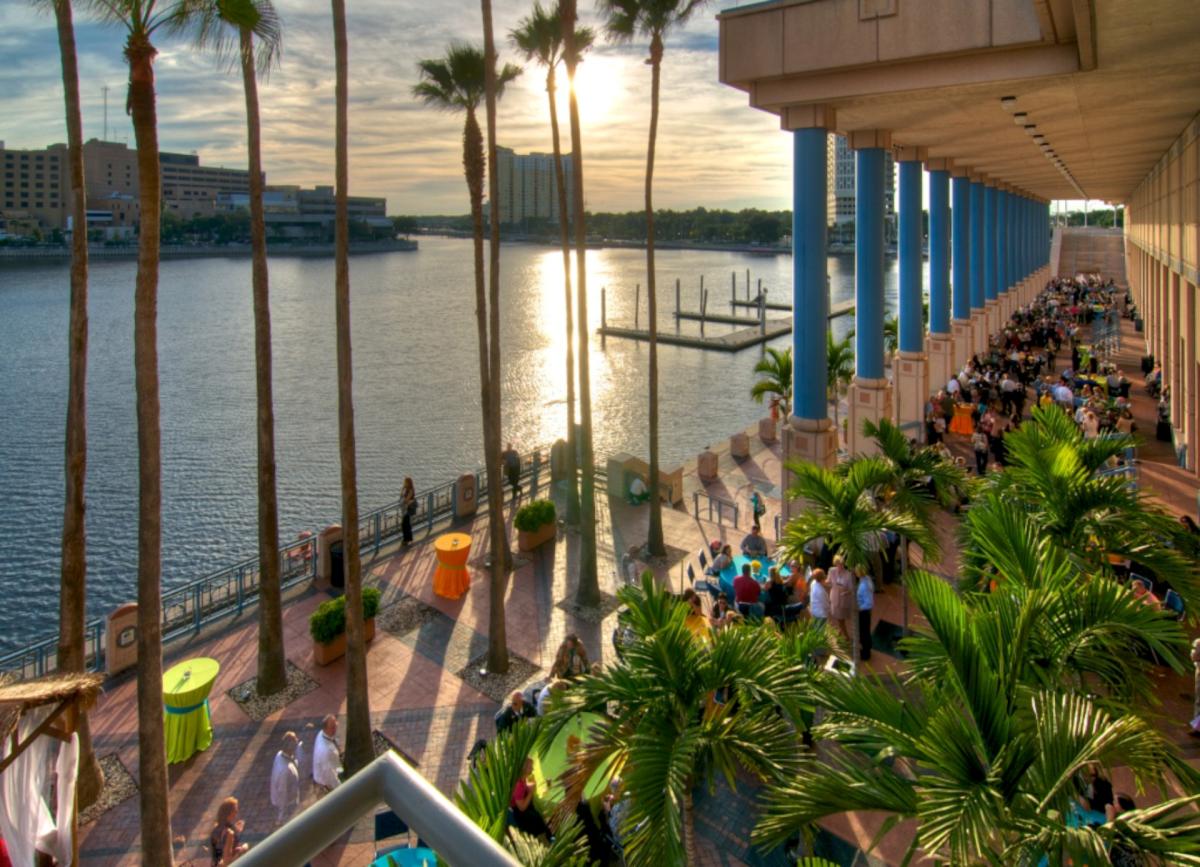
(25, 819)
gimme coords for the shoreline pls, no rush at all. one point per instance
(56, 255)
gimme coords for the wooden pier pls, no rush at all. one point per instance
(734, 341)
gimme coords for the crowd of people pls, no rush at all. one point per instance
(1042, 356)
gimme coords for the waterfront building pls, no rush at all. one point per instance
(293, 212)
(529, 187)
(33, 189)
(842, 157)
(1007, 106)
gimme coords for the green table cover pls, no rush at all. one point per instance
(188, 727)
(549, 766)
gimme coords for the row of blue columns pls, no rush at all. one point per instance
(990, 240)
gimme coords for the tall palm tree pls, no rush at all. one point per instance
(845, 508)
(142, 19)
(774, 371)
(984, 760)
(359, 743)
(839, 372)
(652, 18)
(246, 34)
(457, 82)
(72, 608)
(588, 591)
(539, 38)
(683, 712)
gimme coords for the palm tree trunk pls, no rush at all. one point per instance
(654, 542)
(501, 555)
(72, 609)
(152, 755)
(563, 221)
(689, 826)
(359, 747)
(272, 672)
(588, 592)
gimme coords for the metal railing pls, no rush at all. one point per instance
(722, 508)
(227, 592)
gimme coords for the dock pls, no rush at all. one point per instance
(734, 341)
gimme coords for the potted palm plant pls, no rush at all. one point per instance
(327, 625)
(535, 524)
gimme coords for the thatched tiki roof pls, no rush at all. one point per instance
(72, 692)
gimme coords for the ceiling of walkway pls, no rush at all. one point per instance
(1109, 125)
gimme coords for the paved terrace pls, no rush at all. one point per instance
(420, 704)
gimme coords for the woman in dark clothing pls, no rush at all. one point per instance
(225, 839)
(408, 508)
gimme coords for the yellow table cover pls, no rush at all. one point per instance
(187, 724)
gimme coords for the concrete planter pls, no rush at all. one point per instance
(324, 654)
(528, 540)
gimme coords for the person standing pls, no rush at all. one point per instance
(408, 509)
(225, 840)
(327, 757)
(866, 602)
(512, 469)
(841, 597)
(818, 596)
(758, 508)
(285, 780)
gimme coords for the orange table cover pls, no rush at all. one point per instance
(961, 423)
(450, 579)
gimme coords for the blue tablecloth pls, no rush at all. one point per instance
(410, 857)
(731, 572)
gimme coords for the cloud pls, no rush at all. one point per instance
(712, 149)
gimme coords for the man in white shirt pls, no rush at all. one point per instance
(285, 780)
(327, 759)
(953, 386)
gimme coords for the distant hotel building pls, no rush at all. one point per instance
(842, 209)
(293, 212)
(528, 187)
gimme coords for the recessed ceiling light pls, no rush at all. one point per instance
(1020, 117)
(1008, 102)
(1030, 129)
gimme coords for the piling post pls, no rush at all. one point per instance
(637, 306)
(732, 292)
(747, 284)
(676, 303)
(603, 315)
(762, 310)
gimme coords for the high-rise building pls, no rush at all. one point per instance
(528, 188)
(844, 176)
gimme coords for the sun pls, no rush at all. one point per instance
(598, 83)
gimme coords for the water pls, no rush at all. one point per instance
(415, 385)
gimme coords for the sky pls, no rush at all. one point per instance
(713, 150)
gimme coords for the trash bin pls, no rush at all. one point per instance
(337, 558)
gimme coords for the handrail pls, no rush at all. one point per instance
(227, 592)
(722, 507)
(388, 779)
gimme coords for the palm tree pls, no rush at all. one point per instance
(775, 378)
(682, 712)
(846, 509)
(839, 372)
(984, 760)
(457, 82)
(653, 18)
(922, 477)
(142, 19)
(72, 609)
(359, 743)
(891, 334)
(484, 797)
(231, 28)
(1056, 473)
(539, 37)
(588, 591)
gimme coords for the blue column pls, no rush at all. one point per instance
(939, 252)
(868, 263)
(1002, 280)
(977, 245)
(990, 238)
(912, 328)
(961, 242)
(810, 295)
(1023, 238)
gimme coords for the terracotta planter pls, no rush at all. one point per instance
(324, 654)
(528, 540)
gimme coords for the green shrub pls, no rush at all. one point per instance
(329, 620)
(535, 515)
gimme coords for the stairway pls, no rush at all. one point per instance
(1090, 251)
